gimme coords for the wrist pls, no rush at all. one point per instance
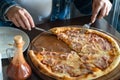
(5, 13)
(7, 10)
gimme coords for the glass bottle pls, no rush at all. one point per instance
(18, 68)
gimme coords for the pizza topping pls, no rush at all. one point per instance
(107, 46)
(76, 36)
(72, 32)
(89, 48)
(39, 56)
(79, 72)
(76, 46)
(58, 68)
(49, 53)
(83, 57)
(90, 61)
(102, 62)
(44, 52)
(62, 68)
(62, 35)
(66, 56)
(49, 61)
(102, 43)
(86, 71)
(74, 73)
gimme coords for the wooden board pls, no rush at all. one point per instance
(51, 43)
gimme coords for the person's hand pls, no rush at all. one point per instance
(100, 8)
(20, 17)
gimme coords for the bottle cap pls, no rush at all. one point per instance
(18, 39)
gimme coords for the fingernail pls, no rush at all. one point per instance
(29, 29)
(33, 26)
(93, 20)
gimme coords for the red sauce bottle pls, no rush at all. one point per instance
(18, 69)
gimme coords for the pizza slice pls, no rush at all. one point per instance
(71, 36)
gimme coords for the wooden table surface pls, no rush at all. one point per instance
(100, 24)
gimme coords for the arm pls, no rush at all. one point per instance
(4, 6)
(18, 15)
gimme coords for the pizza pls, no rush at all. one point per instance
(93, 54)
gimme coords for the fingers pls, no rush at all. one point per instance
(102, 12)
(100, 9)
(95, 12)
(108, 9)
(15, 22)
(21, 18)
(22, 22)
(30, 19)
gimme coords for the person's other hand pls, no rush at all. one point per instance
(20, 17)
(100, 8)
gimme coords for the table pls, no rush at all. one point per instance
(101, 24)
